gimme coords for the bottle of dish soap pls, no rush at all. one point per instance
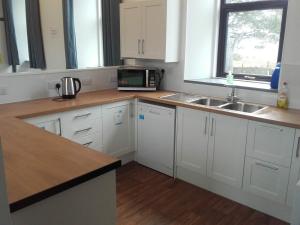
(283, 100)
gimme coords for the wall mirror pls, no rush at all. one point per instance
(54, 35)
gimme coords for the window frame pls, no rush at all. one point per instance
(227, 8)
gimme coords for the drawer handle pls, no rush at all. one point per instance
(267, 166)
(83, 115)
(83, 131)
(298, 148)
(88, 144)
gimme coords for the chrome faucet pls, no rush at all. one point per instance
(232, 98)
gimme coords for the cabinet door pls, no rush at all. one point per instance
(270, 143)
(131, 30)
(192, 139)
(226, 151)
(154, 29)
(295, 170)
(50, 123)
(266, 180)
(117, 129)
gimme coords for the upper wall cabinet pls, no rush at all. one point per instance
(150, 30)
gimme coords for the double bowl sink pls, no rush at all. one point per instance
(207, 101)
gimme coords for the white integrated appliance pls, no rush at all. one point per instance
(156, 137)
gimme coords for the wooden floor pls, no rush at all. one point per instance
(146, 197)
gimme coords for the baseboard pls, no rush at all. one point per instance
(127, 158)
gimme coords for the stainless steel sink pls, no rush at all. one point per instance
(209, 102)
(243, 107)
(181, 97)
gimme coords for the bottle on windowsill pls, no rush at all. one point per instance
(282, 99)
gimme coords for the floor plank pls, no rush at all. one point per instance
(146, 197)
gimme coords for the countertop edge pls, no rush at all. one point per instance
(16, 206)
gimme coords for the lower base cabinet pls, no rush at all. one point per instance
(227, 149)
(50, 123)
(192, 139)
(295, 170)
(266, 179)
(118, 122)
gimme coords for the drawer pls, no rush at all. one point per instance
(266, 180)
(270, 143)
(79, 118)
(77, 130)
(93, 141)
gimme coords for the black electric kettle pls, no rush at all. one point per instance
(70, 87)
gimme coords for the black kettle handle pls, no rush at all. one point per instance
(77, 88)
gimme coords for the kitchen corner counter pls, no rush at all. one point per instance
(39, 164)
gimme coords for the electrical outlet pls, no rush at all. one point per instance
(87, 82)
(52, 85)
(3, 90)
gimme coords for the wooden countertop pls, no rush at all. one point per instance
(39, 164)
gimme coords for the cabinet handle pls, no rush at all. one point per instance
(83, 115)
(205, 127)
(212, 127)
(58, 129)
(298, 148)
(88, 144)
(267, 166)
(139, 46)
(143, 45)
(82, 131)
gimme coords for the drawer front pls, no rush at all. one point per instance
(92, 141)
(266, 180)
(79, 118)
(270, 143)
(77, 130)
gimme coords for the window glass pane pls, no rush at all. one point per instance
(253, 41)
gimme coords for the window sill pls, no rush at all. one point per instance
(241, 84)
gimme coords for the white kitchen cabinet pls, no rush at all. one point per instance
(84, 126)
(192, 139)
(270, 143)
(150, 29)
(266, 179)
(295, 170)
(118, 128)
(226, 149)
(131, 26)
(50, 123)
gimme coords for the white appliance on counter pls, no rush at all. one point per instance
(156, 137)
(295, 220)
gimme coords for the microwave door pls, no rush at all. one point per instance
(131, 79)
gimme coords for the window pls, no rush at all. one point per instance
(88, 30)
(251, 38)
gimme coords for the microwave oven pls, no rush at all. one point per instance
(133, 78)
